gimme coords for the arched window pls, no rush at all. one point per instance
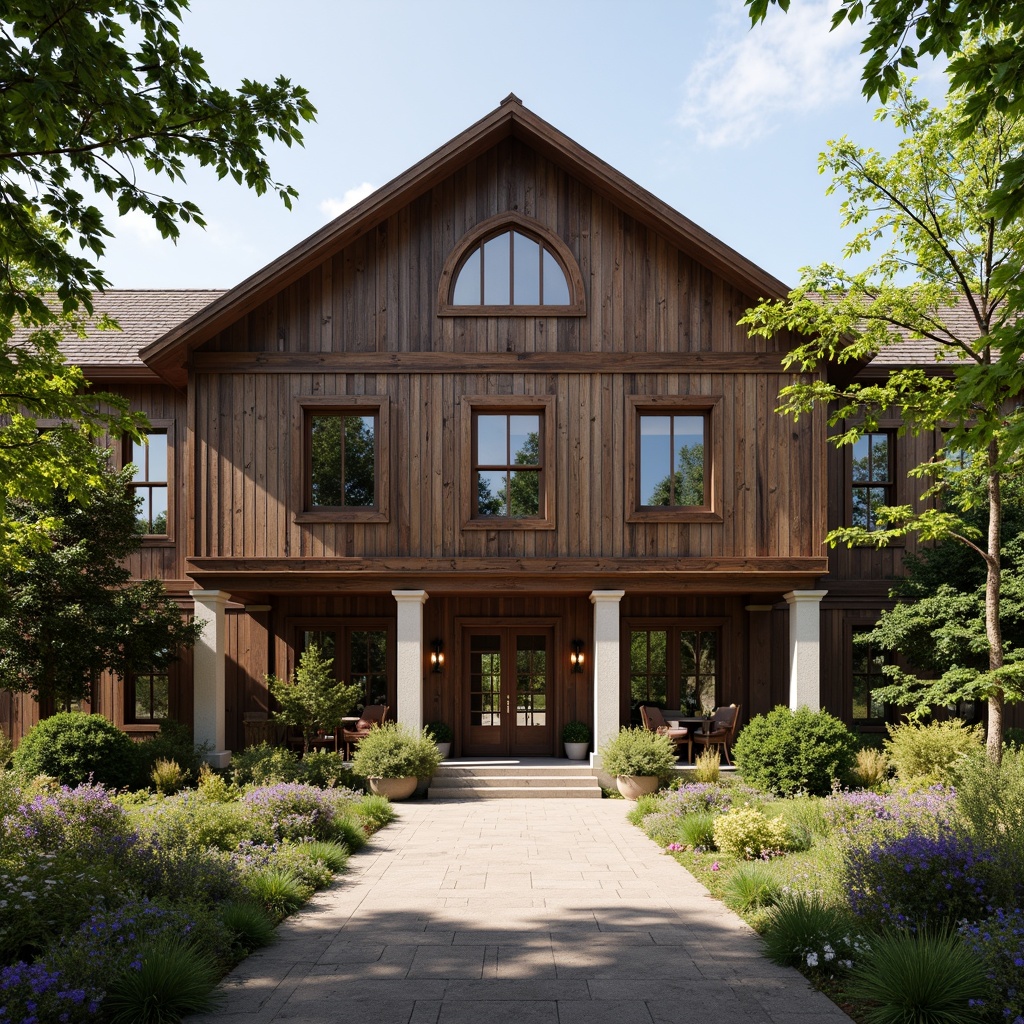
(510, 265)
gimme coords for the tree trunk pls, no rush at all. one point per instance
(993, 627)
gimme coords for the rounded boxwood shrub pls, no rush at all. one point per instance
(637, 751)
(787, 751)
(72, 748)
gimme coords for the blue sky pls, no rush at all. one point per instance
(719, 120)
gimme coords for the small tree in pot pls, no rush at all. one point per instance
(639, 760)
(313, 700)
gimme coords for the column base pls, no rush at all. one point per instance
(217, 758)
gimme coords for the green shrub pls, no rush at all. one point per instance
(352, 832)
(249, 925)
(636, 751)
(277, 890)
(871, 769)
(167, 777)
(645, 805)
(663, 828)
(805, 817)
(697, 830)
(391, 751)
(928, 754)
(174, 980)
(750, 886)
(334, 855)
(440, 732)
(74, 748)
(805, 931)
(926, 978)
(576, 732)
(374, 812)
(787, 751)
(1011, 738)
(746, 832)
(324, 768)
(263, 765)
(312, 871)
(172, 743)
(708, 766)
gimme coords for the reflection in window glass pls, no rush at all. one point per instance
(485, 680)
(672, 460)
(871, 486)
(516, 270)
(368, 664)
(152, 697)
(648, 669)
(698, 669)
(343, 455)
(508, 464)
(867, 677)
(531, 680)
(149, 482)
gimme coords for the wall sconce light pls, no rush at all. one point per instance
(436, 656)
(576, 657)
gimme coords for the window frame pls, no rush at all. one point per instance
(710, 406)
(490, 228)
(471, 406)
(166, 427)
(890, 485)
(308, 406)
(343, 628)
(131, 682)
(854, 626)
(672, 627)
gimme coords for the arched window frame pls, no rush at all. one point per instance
(489, 229)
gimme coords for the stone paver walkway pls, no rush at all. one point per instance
(516, 912)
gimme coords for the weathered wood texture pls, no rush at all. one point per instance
(379, 297)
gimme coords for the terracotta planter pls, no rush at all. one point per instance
(632, 787)
(577, 751)
(394, 789)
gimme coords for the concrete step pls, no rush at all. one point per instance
(510, 792)
(513, 771)
(536, 781)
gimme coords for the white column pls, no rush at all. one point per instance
(804, 644)
(209, 696)
(410, 657)
(606, 666)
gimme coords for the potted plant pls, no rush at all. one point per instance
(313, 700)
(576, 737)
(639, 760)
(441, 733)
(392, 759)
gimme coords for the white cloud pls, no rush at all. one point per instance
(751, 78)
(140, 228)
(332, 208)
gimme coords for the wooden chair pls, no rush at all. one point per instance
(257, 727)
(654, 721)
(369, 718)
(722, 730)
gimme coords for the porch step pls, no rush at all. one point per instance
(496, 781)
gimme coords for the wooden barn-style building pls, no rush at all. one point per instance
(493, 439)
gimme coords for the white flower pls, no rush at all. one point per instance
(812, 959)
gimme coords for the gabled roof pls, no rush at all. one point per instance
(510, 119)
(144, 316)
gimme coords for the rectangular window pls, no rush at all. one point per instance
(510, 447)
(674, 666)
(872, 477)
(340, 459)
(867, 677)
(148, 697)
(360, 654)
(151, 482)
(674, 449)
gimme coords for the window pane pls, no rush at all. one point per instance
(138, 457)
(879, 457)
(689, 466)
(527, 271)
(492, 440)
(862, 459)
(524, 440)
(158, 510)
(556, 288)
(497, 271)
(161, 697)
(157, 456)
(485, 680)
(325, 448)
(524, 492)
(467, 284)
(359, 461)
(655, 460)
(142, 517)
(490, 494)
(323, 638)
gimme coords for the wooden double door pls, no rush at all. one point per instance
(508, 689)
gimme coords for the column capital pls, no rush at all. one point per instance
(210, 597)
(606, 595)
(420, 596)
(795, 596)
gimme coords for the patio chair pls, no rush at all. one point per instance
(654, 721)
(722, 730)
(369, 718)
(258, 727)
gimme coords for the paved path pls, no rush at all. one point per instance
(516, 912)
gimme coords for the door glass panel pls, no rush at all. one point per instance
(531, 680)
(485, 680)
(368, 650)
(648, 672)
